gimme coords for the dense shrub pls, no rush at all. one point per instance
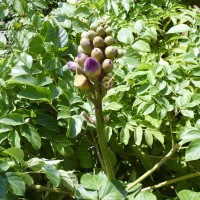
(49, 150)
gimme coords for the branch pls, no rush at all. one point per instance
(154, 168)
(171, 131)
(88, 118)
(55, 190)
(175, 180)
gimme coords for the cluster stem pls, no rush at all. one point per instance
(100, 129)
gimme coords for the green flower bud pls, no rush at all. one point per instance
(84, 34)
(91, 35)
(98, 42)
(86, 45)
(107, 66)
(119, 53)
(108, 31)
(110, 52)
(109, 40)
(97, 54)
(107, 83)
(101, 31)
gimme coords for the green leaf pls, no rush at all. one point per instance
(13, 119)
(62, 37)
(14, 139)
(158, 135)
(189, 135)
(138, 135)
(148, 108)
(141, 45)
(193, 151)
(19, 70)
(47, 121)
(26, 178)
(112, 157)
(76, 124)
(124, 135)
(125, 35)
(3, 11)
(64, 112)
(93, 182)
(138, 26)
(36, 93)
(35, 164)
(82, 193)
(115, 7)
(52, 174)
(16, 184)
(188, 113)
(126, 5)
(26, 59)
(145, 195)
(36, 45)
(131, 57)
(2, 187)
(112, 190)
(179, 29)
(16, 153)
(37, 21)
(112, 106)
(148, 137)
(23, 80)
(5, 128)
(40, 3)
(3, 40)
(30, 133)
(68, 179)
(20, 6)
(188, 195)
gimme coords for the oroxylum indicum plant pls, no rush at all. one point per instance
(92, 66)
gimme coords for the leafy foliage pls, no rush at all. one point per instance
(44, 138)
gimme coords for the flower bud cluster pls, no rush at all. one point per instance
(95, 57)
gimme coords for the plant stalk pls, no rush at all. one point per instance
(48, 189)
(101, 132)
(175, 180)
(154, 168)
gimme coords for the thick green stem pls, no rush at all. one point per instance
(101, 132)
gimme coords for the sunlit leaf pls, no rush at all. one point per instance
(125, 35)
(193, 151)
(188, 194)
(179, 28)
(13, 119)
(16, 153)
(52, 174)
(141, 45)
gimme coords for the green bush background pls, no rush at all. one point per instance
(48, 150)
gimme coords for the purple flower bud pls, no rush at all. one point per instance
(81, 57)
(92, 67)
(74, 67)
